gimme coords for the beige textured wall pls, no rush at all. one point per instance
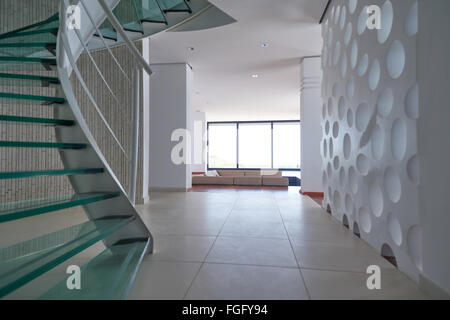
(118, 114)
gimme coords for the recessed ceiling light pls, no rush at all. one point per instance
(264, 44)
(254, 76)
(191, 48)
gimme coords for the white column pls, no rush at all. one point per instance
(310, 125)
(170, 110)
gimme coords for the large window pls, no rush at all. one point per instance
(254, 145)
(222, 146)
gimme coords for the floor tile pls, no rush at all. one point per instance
(158, 280)
(185, 227)
(180, 248)
(319, 232)
(352, 285)
(252, 251)
(254, 228)
(255, 215)
(237, 282)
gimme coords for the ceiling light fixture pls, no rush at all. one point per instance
(191, 48)
(254, 76)
(264, 44)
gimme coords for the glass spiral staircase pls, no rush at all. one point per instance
(46, 147)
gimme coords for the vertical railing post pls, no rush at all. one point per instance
(135, 137)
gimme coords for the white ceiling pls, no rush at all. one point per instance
(225, 58)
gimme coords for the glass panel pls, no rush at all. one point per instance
(152, 12)
(255, 145)
(286, 145)
(21, 209)
(222, 146)
(175, 5)
(26, 261)
(129, 16)
(107, 276)
(23, 80)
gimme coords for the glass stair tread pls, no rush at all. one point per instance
(25, 34)
(175, 6)
(46, 121)
(22, 209)
(49, 61)
(108, 276)
(23, 80)
(31, 174)
(129, 15)
(52, 21)
(23, 262)
(54, 145)
(152, 12)
(24, 49)
(17, 98)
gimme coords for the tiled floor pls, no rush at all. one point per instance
(256, 244)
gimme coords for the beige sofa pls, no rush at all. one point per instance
(243, 178)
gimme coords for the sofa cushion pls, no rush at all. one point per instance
(196, 180)
(275, 182)
(252, 173)
(271, 173)
(230, 173)
(248, 181)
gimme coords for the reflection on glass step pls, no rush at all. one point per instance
(26, 49)
(31, 174)
(24, 80)
(27, 144)
(152, 12)
(46, 121)
(108, 276)
(17, 98)
(22, 209)
(23, 262)
(129, 15)
(175, 6)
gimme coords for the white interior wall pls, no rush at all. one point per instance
(370, 126)
(170, 109)
(311, 130)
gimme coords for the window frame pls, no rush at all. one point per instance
(237, 123)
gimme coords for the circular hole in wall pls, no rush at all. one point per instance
(342, 177)
(354, 54)
(325, 148)
(344, 65)
(364, 220)
(324, 179)
(343, 18)
(327, 128)
(350, 117)
(394, 229)
(330, 37)
(363, 65)
(413, 169)
(324, 56)
(345, 221)
(376, 199)
(412, 103)
(330, 146)
(352, 5)
(348, 33)
(362, 20)
(337, 53)
(336, 129)
(388, 254)
(362, 116)
(387, 17)
(330, 107)
(337, 200)
(395, 60)
(377, 143)
(356, 230)
(337, 14)
(324, 111)
(353, 179)
(385, 102)
(412, 20)
(374, 74)
(392, 185)
(329, 169)
(341, 108)
(350, 88)
(336, 163)
(414, 240)
(362, 164)
(399, 139)
(347, 146)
